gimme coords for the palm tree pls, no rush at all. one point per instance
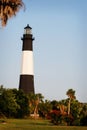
(71, 94)
(9, 8)
(62, 107)
(34, 100)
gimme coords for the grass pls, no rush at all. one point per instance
(31, 124)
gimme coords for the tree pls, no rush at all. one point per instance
(84, 121)
(8, 104)
(45, 108)
(83, 115)
(75, 111)
(13, 103)
(38, 99)
(34, 100)
(1, 89)
(71, 94)
(9, 8)
(22, 101)
(54, 104)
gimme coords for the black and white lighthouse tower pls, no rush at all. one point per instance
(26, 82)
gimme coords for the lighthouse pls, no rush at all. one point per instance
(26, 82)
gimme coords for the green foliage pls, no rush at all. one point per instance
(71, 94)
(13, 103)
(44, 109)
(83, 121)
(55, 117)
(8, 104)
(22, 101)
(54, 104)
(75, 109)
(16, 104)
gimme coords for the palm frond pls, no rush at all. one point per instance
(9, 8)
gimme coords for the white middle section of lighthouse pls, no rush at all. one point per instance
(27, 63)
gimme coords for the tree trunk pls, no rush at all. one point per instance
(69, 106)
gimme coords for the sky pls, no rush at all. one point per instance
(60, 47)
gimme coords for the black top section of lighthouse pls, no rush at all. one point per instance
(26, 82)
(27, 38)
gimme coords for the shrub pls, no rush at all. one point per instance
(55, 117)
(83, 121)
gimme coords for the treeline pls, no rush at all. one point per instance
(16, 104)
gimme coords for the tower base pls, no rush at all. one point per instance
(27, 83)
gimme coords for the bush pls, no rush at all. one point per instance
(83, 121)
(55, 117)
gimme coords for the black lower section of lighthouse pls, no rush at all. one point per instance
(27, 83)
